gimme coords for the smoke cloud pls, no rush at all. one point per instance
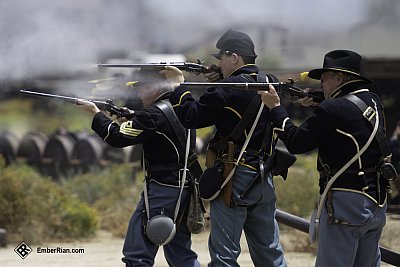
(49, 37)
(41, 37)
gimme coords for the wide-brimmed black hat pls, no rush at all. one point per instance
(340, 60)
(235, 42)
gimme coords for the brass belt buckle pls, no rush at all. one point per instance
(369, 113)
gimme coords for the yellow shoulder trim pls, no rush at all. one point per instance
(237, 114)
(180, 99)
(234, 111)
(242, 67)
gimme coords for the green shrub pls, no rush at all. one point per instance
(78, 217)
(35, 209)
(91, 187)
(115, 212)
(113, 192)
(299, 193)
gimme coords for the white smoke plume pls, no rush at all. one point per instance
(42, 37)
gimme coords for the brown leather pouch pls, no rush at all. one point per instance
(226, 192)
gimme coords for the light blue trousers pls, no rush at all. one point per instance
(256, 220)
(341, 245)
(139, 251)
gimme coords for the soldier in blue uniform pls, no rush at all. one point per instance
(353, 214)
(254, 211)
(164, 162)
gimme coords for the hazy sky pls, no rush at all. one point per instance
(41, 36)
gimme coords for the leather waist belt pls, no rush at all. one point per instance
(249, 157)
(169, 181)
(330, 173)
(170, 175)
(354, 182)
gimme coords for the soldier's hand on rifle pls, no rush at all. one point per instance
(307, 101)
(270, 98)
(127, 111)
(87, 106)
(213, 76)
(173, 75)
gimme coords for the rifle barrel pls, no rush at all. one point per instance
(264, 86)
(195, 68)
(67, 98)
(102, 105)
(244, 86)
(141, 65)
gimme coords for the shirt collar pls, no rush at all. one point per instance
(347, 87)
(248, 68)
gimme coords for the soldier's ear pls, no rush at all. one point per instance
(235, 57)
(340, 77)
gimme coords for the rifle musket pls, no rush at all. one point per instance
(107, 105)
(245, 86)
(264, 86)
(139, 65)
(195, 68)
(67, 98)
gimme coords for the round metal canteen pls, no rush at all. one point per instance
(160, 229)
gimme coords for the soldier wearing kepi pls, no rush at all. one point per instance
(248, 204)
(348, 129)
(155, 220)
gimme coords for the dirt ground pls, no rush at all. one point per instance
(105, 251)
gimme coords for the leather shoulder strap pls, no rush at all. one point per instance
(180, 133)
(370, 114)
(168, 111)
